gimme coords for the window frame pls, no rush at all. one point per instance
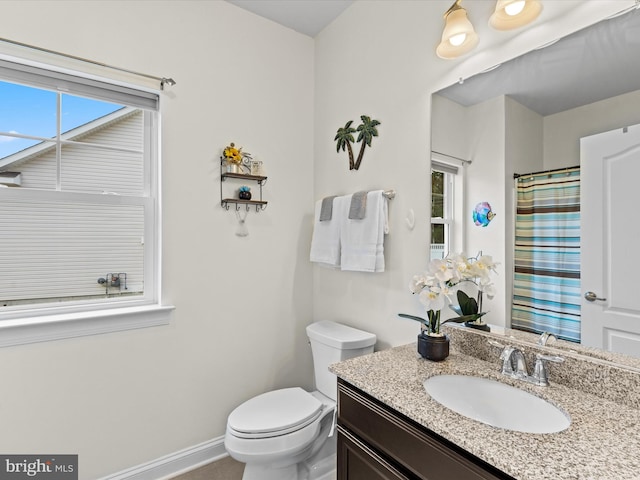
(30, 323)
(454, 209)
(447, 208)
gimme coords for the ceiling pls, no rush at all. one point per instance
(305, 16)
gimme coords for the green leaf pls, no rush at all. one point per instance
(468, 305)
(413, 317)
(465, 318)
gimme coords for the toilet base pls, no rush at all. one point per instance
(324, 470)
(259, 472)
(320, 466)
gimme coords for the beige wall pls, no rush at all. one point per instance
(562, 131)
(487, 146)
(123, 399)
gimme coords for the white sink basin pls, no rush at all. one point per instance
(496, 404)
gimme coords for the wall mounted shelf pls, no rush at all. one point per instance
(227, 202)
(257, 178)
(260, 205)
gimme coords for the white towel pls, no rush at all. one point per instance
(362, 241)
(325, 242)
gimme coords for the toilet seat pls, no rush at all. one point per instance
(274, 413)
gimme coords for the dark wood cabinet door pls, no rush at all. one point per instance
(356, 461)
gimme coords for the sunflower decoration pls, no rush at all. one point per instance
(233, 154)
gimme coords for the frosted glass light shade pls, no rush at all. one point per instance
(458, 36)
(512, 14)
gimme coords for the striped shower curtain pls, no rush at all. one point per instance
(546, 288)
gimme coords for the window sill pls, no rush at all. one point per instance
(47, 328)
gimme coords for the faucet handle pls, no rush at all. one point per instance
(540, 373)
(549, 358)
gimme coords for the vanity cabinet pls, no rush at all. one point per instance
(377, 442)
(357, 461)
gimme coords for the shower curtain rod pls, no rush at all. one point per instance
(163, 80)
(542, 172)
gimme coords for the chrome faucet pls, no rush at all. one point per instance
(513, 362)
(545, 337)
(515, 366)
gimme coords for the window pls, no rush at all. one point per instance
(442, 212)
(79, 198)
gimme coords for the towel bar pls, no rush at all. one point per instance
(389, 194)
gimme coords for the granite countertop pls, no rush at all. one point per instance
(602, 442)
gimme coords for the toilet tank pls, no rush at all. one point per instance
(331, 343)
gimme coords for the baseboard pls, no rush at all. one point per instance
(176, 463)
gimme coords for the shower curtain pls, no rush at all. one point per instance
(546, 287)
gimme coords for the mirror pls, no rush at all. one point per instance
(502, 334)
(547, 90)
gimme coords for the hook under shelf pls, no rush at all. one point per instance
(259, 204)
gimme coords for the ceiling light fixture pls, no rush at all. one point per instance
(511, 14)
(458, 36)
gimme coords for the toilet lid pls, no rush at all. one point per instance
(276, 412)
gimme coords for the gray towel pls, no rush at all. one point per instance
(326, 210)
(358, 206)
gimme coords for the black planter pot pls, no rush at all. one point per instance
(433, 348)
(478, 326)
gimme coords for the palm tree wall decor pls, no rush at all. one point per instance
(344, 139)
(366, 131)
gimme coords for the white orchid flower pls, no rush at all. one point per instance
(417, 283)
(432, 299)
(460, 266)
(439, 283)
(485, 264)
(441, 270)
(446, 291)
(489, 289)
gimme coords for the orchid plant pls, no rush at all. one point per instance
(437, 284)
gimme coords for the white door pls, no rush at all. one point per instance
(610, 245)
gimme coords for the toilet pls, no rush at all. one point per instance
(288, 434)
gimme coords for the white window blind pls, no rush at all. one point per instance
(443, 167)
(55, 80)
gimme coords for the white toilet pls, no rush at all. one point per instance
(287, 434)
